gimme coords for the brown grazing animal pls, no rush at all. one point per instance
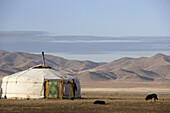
(151, 96)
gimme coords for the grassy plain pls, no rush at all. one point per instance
(119, 103)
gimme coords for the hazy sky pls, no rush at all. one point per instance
(38, 25)
(87, 17)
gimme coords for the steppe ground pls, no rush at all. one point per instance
(131, 103)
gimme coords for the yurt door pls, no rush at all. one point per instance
(53, 89)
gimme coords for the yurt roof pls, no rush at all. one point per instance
(38, 74)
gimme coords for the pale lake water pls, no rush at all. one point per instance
(98, 49)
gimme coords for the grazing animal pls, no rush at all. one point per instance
(151, 96)
(99, 102)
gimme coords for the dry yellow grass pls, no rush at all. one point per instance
(121, 103)
(127, 90)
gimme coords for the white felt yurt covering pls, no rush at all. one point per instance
(30, 83)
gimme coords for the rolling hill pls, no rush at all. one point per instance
(155, 68)
(11, 62)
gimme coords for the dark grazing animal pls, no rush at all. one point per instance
(151, 96)
(99, 102)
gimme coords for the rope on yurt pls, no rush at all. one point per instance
(21, 75)
(15, 81)
(6, 87)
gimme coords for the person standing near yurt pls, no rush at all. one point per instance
(72, 89)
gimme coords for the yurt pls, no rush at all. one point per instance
(38, 82)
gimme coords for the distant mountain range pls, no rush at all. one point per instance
(155, 68)
(11, 62)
